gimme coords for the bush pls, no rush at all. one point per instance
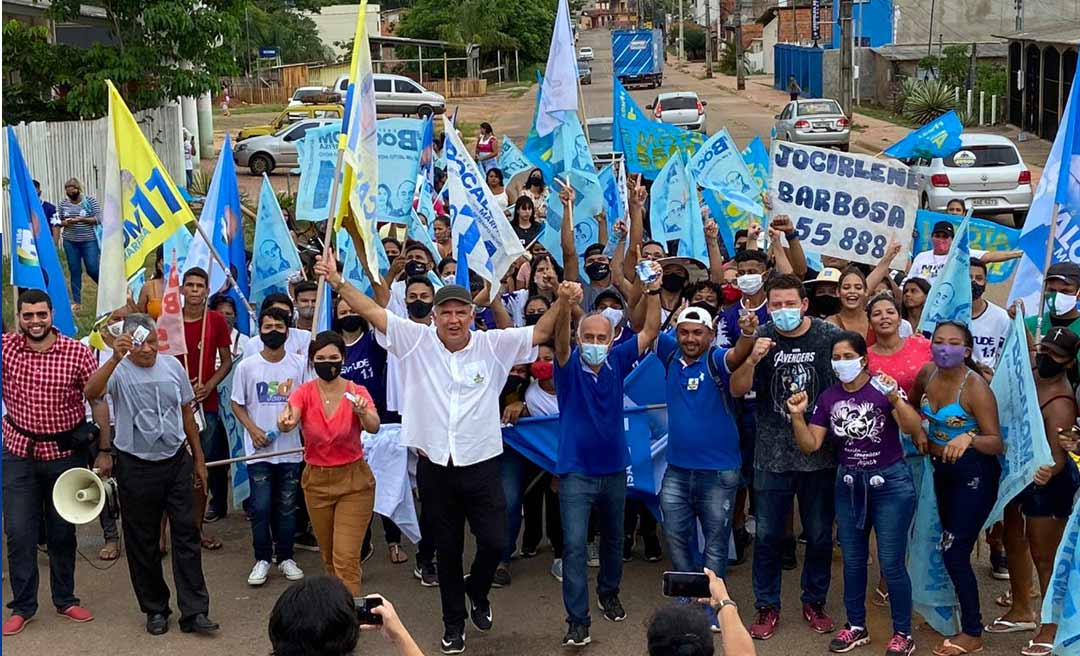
(693, 42)
(727, 58)
(925, 101)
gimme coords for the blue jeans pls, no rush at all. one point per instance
(706, 496)
(80, 254)
(578, 496)
(888, 508)
(776, 492)
(273, 508)
(514, 470)
(215, 446)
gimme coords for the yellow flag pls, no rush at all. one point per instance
(142, 205)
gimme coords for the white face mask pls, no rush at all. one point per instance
(847, 370)
(613, 315)
(1063, 303)
(749, 283)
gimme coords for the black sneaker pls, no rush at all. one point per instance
(480, 614)
(529, 552)
(612, 608)
(212, 516)
(788, 561)
(502, 576)
(577, 636)
(999, 565)
(627, 548)
(653, 552)
(743, 539)
(427, 573)
(849, 638)
(453, 641)
(307, 542)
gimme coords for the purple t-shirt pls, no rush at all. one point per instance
(862, 425)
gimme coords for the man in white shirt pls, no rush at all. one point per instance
(260, 392)
(989, 322)
(298, 340)
(928, 264)
(452, 377)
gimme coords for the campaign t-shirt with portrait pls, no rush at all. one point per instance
(263, 388)
(927, 265)
(861, 425)
(791, 365)
(989, 330)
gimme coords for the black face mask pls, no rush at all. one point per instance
(1047, 366)
(825, 305)
(414, 268)
(535, 181)
(533, 319)
(977, 291)
(597, 271)
(513, 385)
(274, 339)
(351, 323)
(673, 282)
(708, 307)
(328, 371)
(418, 309)
(73, 195)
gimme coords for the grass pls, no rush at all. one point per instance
(241, 110)
(84, 320)
(882, 114)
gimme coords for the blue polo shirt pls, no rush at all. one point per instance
(591, 437)
(702, 432)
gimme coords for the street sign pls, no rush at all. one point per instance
(269, 52)
(815, 20)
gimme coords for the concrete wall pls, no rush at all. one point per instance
(975, 20)
(338, 23)
(768, 40)
(869, 71)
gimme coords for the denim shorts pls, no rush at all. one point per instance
(1053, 500)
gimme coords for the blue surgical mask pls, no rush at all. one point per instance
(594, 354)
(786, 319)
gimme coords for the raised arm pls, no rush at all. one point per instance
(367, 308)
(618, 263)
(744, 345)
(1000, 256)
(779, 254)
(549, 324)
(808, 437)
(635, 200)
(98, 383)
(742, 380)
(651, 329)
(569, 252)
(716, 258)
(794, 250)
(881, 270)
(562, 320)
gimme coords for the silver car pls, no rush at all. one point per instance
(265, 153)
(397, 94)
(601, 140)
(681, 108)
(814, 122)
(987, 173)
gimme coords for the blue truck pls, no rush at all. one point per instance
(638, 56)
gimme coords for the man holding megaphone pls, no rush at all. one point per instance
(152, 398)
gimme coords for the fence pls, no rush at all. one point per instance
(66, 149)
(252, 93)
(802, 62)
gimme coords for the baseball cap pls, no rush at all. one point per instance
(1067, 271)
(944, 226)
(452, 293)
(695, 270)
(1062, 340)
(828, 274)
(609, 294)
(695, 315)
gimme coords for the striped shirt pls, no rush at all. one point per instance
(87, 206)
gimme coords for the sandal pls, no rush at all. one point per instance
(1037, 649)
(880, 598)
(1002, 625)
(949, 648)
(1004, 599)
(111, 551)
(397, 555)
(211, 544)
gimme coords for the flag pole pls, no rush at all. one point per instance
(1046, 267)
(228, 274)
(328, 234)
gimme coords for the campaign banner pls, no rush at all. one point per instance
(932, 591)
(669, 202)
(982, 235)
(646, 144)
(317, 153)
(844, 205)
(1061, 604)
(1022, 428)
(719, 165)
(950, 296)
(400, 141)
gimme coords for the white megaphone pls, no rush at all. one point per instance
(80, 495)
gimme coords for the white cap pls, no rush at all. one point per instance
(696, 315)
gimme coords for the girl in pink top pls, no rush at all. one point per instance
(896, 356)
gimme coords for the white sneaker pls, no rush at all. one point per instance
(259, 573)
(556, 569)
(291, 570)
(592, 551)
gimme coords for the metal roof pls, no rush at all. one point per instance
(1068, 33)
(915, 52)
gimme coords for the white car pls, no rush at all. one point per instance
(987, 173)
(585, 52)
(304, 95)
(397, 94)
(682, 108)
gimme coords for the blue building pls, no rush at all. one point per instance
(872, 23)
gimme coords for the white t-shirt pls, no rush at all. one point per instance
(450, 404)
(297, 342)
(989, 330)
(263, 388)
(102, 357)
(501, 200)
(540, 402)
(905, 329)
(926, 265)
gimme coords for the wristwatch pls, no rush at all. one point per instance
(725, 602)
(653, 292)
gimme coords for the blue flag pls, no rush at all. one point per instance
(719, 165)
(950, 296)
(1022, 429)
(551, 236)
(756, 157)
(35, 263)
(317, 152)
(425, 176)
(613, 209)
(938, 138)
(234, 431)
(511, 160)
(721, 212)
(177, 246)
(669, 203)
(646, 144)
(400, 146)
(693, 242)
(1061, 604)
(983, 235)
(932, 590)
(274, 256)
(351, 268)
(586, 227)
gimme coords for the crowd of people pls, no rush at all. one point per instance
(781, 383)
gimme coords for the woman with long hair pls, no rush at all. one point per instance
(893, 353)
(154, 290)
(487, 148)
(524, 221)
(852, 314)
(498, 189)
(913, 299)
(545, 274)
(537, 191)
(964, 440)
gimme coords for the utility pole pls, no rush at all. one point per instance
(846, 72)
(1019, 15)
(740, 78)
(708, 39)
(930, 32)
(682, 53)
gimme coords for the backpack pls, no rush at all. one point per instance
(725, 394)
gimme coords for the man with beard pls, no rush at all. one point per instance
(44, 376)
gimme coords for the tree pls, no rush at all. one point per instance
(280, 23)
(493, 24)
(693, 41)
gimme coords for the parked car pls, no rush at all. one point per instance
(312, 95)
(584, 71)
(601, 140)
(397, 94)
(265, 153)
(682, 108)
(987, 173)
(289, 116)
(585, 52)
(814, 122)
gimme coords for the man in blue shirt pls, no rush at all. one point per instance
(703, 454)
(593, 453)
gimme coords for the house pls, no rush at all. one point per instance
(789, 24)
(1041, 65)
(89, 28)
(389, 19)
(882, 68)
(337, 24)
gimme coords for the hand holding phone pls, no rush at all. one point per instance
(694, 585)
(364, 614)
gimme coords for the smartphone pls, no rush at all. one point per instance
(139, 335)
(363, 606)
(880, 386)
(694, 585)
